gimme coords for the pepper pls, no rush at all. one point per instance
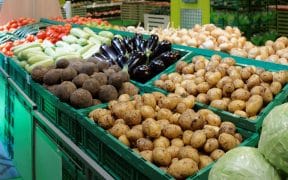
(118, 46)
(141, 73)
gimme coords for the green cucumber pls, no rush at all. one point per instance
(94, 49)
(50, 52)
(68, 57)
(20, 48)
(45, 63)
(84, 49)
(61, 44)
(70, 39)
(89, 31)
(104, 40)
(75, 47)
(107, 34)
(94, 40)
(65, 53)
(82, 42)
(24, 54)
(79, 33)
(37, 58)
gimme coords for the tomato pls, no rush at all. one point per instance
(41, 35)
(30, 38)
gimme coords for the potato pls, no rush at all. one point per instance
(124, 98)
(134, 134)
(174, 151)
(147, 155)
(98, 113)
(211, 131)
(245, 73)
(182, 168)
(163, 113)
(144, 144)
(275, 87)
(213, 119)
(189, 101)
(203, 87)
(147, 112)
(161, 142)
(236, 105)
(165, 169)
(159, 83)
(254, 80)
(136, 150)
(149, 100)
(228, 60)
(168, 102)
(124, 140)
(210, 145)
(120, 108)
(220, 104)
(157, 96)
(238, 83)
(227, 127)
(119, 129)
(223, 81)
(111, 103)
(240, 94)
(198, 122)
(180, 65)
(189, 152)
(202, 98)
(199, 65)
(267, 95)
(234, 74)
(228, 88)
(265, 85)
(188, 69)
(239, 137)
(161, 156)
(119, 121)
(138, 127)
(198, 139)
(266, 76)
(132, 117)
(216, 154)
(212, 66)
(181, 107)
(187, 137)
(191, 88)
(137, 101)
(164, 77)
(151, 128)
(213, 78)
(163, 123)
(181, 91)
(254, 105)
(216, 58)
(172, 131)
(281, 76)
(185, 119)
(199, 80)
(174, 119)
(106, 121)
(227, 100)
(227, 141)
(204, 161)
(257, 90)
(175, 77)
(177, 142)
(169, 85)
(241, 113)
(214, 94)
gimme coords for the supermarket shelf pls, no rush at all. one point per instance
(103, 5)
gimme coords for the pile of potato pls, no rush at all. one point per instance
(166, 131)
(224, 85)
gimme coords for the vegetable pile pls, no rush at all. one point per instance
(54, 33)
(16, 24)
(142, 58)
(244, 91)
(166, 131)
(84, 83)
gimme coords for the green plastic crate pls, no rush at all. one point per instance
(4, 63)
(252, 125)
(121, 159)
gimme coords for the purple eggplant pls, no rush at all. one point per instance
(108, 52)
(102, 57)
(157, 66)
(162, 47)
(137, 58)
(169, 57)
(121, 60)
(137, 41)
(141, 73)
(119, 46)
(128, 44)
(152, 42)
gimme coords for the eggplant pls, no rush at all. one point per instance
(137, 41)
(102, 57)
(141, 73)
(169, 57)
(121, 60)
(143, 45)
(128, 44)
(137, 58)
(118, 46)
(108, 52)
(162, 47)
(152, 42)
(157, 66)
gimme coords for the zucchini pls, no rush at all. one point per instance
(70, 39)
(84, 49)
(45, 63)
(65, 53)
(107, 34)
(24, 54)
(37, 58)
(18, 49)
(47, 44)
(79, 33)
(75, 47)
(94, 40)
(103, 40)
(68, 57)
(61, 44)
(89, 31)
(94, 49)
(50, 52)
(82, 42)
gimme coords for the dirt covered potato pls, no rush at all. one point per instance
(144, 144)
(189, 152)
(151, 128)
(198, 139)
(183, 168)
(119, 129)
(161, 156)
(210, 145)
(174, 151)
(204, 161)
(161, 142)
(227, 141)
(147, 155)
(227, 127)
(172, 131)
(216, 154)
(254, 105)
(220, 104)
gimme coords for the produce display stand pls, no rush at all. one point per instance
(155, 21)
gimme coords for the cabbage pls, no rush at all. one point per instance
(273, 142)
(243, 163)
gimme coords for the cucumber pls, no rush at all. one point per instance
(20, 48)
(68, 57)
(65, 53)
(70, 39)
(107, 34)
(82, 42)
(62, 44)
(75, 47)
(47, 44)
(89, 31)
(79, 33)
(103, 40)
(37, 58)
(84, 49)
(94, 40)
(24, 54)
(45, 63)
(50, 52)
(94, 49)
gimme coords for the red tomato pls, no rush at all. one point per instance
(30, 38)
(41, 35)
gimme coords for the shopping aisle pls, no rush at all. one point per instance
(7, 169)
